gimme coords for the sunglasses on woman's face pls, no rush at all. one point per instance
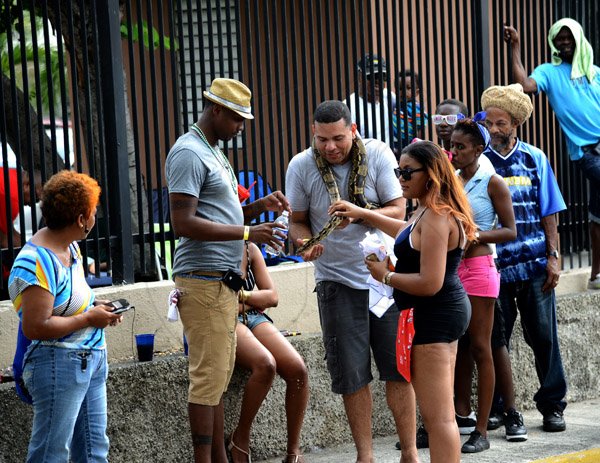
(406, 174)
(450, 119)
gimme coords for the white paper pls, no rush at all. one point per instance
(380, 295)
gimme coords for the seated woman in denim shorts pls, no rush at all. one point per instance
(263, 350)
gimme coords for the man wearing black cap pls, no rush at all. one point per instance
(370, 107)
(208, 219)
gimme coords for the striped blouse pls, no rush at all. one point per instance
(39, 266)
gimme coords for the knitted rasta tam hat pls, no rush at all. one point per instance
(509, 98)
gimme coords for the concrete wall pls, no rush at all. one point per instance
(147, 402)
(297, 310)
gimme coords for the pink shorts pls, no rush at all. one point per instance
(479, 276)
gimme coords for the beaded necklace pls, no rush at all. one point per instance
(221, 158)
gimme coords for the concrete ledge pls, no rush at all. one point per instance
(297, 311)
(148, 410)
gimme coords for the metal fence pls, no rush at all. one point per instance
(106, 87)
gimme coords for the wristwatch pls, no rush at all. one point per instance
(553, 253)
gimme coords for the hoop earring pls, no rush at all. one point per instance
(86, 230)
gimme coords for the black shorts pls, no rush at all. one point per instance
(350, 332)
(442, 321)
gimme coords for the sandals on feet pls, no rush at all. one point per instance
(293, 458)
(232, 446)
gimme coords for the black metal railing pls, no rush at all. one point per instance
(106, 87)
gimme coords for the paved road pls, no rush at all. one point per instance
(583, 433)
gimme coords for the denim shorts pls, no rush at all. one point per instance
(350, 332)
(254, 318)
(590, 167)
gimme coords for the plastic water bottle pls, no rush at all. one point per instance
(283, 219)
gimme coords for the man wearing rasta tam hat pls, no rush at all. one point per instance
(210, 223)
(572, 84)
(528, 265)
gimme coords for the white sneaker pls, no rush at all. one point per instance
(595, 283)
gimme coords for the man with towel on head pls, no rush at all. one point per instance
(572, 84)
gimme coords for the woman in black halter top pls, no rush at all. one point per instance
(429, 247)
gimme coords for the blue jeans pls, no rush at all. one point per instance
(590, 167)
(538, 319)
(68, 387)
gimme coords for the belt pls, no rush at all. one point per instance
(201, 275)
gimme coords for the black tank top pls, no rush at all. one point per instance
(409, 261)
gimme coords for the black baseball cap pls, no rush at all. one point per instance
(372, 64)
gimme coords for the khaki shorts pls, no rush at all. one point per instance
(208, 310)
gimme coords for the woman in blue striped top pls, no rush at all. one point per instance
(65, 366)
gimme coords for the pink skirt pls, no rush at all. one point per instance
(479, 276)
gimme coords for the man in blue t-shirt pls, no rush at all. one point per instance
(572, 84)
(528, 265)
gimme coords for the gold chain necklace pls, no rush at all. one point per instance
(221, 158)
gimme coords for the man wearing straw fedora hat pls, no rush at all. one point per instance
(210, 222)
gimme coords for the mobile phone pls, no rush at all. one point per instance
(120, 306)
(233, 280)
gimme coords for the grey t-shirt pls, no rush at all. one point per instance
(193, 169)
(342, 260)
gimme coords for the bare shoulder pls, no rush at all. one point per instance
(254, 249)
(497, 185)
(436, 219)
(436, 224)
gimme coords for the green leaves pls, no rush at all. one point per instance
(49, 71)
(156, 38)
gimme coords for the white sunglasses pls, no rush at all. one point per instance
(450, 119)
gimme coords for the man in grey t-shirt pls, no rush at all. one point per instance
(350, 330)
(209, 221)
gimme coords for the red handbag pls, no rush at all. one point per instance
(404, 340)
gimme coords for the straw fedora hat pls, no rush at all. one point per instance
(232, 94)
